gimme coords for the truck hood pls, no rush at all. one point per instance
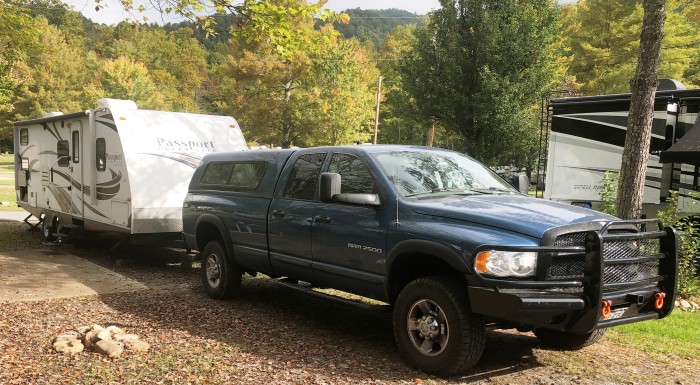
(525, 215)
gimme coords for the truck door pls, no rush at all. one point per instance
(290, 217)
(349, 241)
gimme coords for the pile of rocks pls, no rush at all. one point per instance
(110, 341)
(687, 305)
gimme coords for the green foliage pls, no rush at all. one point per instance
(688, 244)
(602, 39)
(608, 193)
(374, 25)
(477, 68)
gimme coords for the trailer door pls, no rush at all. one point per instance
(76, 168)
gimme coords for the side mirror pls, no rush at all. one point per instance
(330, 185)
(330, 192)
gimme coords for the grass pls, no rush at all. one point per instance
(7, 182)
(677, 335)
(7, 159)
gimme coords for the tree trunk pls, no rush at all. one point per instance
(641, 115)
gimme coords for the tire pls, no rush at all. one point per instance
(48, 227)
(434, 328)
(568, 341)
(220, 275)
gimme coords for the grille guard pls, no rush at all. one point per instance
(592, 285)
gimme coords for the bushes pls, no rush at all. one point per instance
(688, 244)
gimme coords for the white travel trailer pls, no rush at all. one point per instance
(115, 168)
(588, 135)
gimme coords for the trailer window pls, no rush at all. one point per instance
(101, 154)
(24, 136)
(234, 174)
(76, 147)
(62, 153)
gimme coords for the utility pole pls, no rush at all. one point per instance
(431, 135)
(376, 112)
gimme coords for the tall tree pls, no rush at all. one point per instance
(602, 39)
(641, 114)
(479, 65)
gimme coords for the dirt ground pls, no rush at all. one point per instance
(272, 335)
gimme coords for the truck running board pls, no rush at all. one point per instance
(310, 291)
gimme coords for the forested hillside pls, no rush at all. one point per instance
(475, 72)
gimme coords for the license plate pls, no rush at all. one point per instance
(617, 313)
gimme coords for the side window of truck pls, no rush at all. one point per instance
(236, 175)
(304, 177)
(354, 175)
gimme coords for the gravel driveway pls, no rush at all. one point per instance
(272, 335)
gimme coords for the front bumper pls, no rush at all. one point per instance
(577, 304)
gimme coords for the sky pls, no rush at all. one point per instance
(114, 13)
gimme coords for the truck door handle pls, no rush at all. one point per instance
(277, 213)
(322, 219)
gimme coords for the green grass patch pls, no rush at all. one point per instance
(677, 334)
(7, 159)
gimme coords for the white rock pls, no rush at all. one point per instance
(115, 329)
(68, 346)
(685, 304)
(125, 337)
(97, 327)
(109, 348)
(137, 345)
(82, 331)
(104, 335)
(67, 336)
(91, 339)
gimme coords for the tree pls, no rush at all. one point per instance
(123, 78)
(478, 66)
(16, 36)
(602, 39)
(641, 114)
(271, 22)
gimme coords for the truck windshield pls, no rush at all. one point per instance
(427, 173)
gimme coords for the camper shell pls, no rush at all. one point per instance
(115, 168)
(584, 137)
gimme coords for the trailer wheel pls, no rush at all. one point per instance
(434, 328)
(220, 274)
(48, 227)
(568, 341)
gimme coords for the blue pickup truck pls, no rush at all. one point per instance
(451, 246)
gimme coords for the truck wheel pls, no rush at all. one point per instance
(434, 328)
(48, 226)
(568, 341)
(220, 275)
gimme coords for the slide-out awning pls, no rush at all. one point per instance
(686, 149)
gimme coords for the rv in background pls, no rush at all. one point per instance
(115, 168)
(587, 136)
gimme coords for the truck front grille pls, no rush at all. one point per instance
(624, 261)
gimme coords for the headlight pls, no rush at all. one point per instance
(499, 263)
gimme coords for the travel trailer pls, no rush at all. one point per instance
(584, 137)
(116, 168)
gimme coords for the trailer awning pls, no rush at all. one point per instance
(686, 149)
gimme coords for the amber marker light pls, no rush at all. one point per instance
(480, 263)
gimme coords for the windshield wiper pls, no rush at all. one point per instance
(492, 190)
(455, 191)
